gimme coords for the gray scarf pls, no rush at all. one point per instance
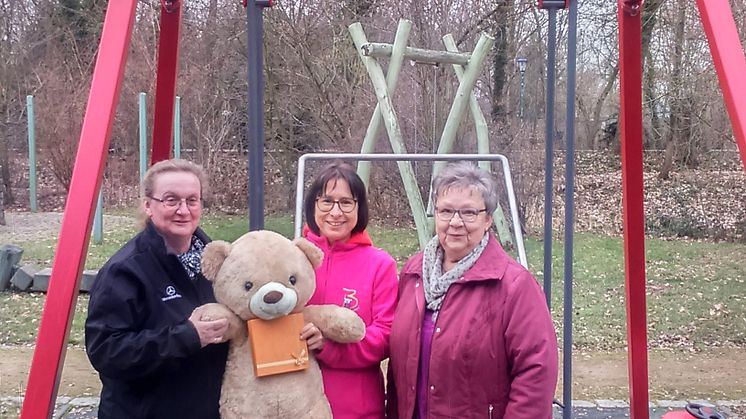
(436, 282)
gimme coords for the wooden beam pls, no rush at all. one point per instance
(392, 77)
(461, 99)
(379, 50)
(483, 144)
(391, 122)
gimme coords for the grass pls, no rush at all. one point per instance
(696, 290)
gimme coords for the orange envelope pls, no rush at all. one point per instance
(276, 345)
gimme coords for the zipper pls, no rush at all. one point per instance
(490, 410)
(327, 272)
(432, 343)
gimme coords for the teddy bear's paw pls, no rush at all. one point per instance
(217, 311)
(336, 323)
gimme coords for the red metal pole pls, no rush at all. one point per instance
(49, 354)
(630, 75)
(165, 83)
(730, 63)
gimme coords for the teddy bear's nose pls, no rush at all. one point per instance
(272, 297)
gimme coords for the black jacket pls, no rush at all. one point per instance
(139, 339)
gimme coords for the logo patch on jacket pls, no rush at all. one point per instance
(350, 300)
(170, 293)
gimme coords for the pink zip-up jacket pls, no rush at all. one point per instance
(363, 278)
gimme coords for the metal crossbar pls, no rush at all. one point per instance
(414, 157)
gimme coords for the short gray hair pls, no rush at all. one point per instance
(465, 175)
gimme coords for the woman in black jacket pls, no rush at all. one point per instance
(143, 334)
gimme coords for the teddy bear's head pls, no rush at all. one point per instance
(262, 274)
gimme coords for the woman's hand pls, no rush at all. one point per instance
(313, 337)
(209, 331)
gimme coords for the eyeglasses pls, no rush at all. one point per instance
(174, 202)
(467, 215)
(346, 205)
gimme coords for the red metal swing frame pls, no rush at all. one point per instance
(46, 368)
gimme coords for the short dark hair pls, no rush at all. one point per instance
(332, 173)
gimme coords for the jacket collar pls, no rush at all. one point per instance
(155, 241)
(491, 265)
(357, 239)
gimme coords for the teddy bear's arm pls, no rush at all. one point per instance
(215, 311)
(336, 323)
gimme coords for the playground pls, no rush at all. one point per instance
(643, 272)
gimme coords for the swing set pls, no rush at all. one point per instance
(49, 353)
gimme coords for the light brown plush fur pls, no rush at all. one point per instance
(256, 259)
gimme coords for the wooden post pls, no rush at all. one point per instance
(377, 50)
(483, 144)
(394, 132)
(462, 97)
(143, 132)
(31, 153)
(392, 76)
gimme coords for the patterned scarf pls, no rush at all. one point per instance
(435, 281)
(192, 258)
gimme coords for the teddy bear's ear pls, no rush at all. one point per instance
(213, 257)
(313, 253)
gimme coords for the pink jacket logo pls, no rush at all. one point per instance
(350, 300)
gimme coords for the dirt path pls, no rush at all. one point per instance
(716, 375)
(27, 226)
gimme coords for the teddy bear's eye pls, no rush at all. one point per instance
(292, 280)
(248, 285)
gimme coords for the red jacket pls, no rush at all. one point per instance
(494, 349)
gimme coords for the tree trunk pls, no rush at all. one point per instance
(649, 20)
(500, 60)
(676, 108)
(7, 197)
(599, 104)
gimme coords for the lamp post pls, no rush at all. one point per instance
(522, 64)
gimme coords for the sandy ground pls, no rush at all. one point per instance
(716, 375)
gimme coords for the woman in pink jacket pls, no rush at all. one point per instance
(356, 275)
(472, 336)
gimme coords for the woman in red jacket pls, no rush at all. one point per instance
(472, 336)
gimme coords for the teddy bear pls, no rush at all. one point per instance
(265, 275)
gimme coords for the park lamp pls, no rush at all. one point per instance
(553, 4)
(260, 3)
(522, 63)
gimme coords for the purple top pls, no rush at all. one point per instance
(428, 328)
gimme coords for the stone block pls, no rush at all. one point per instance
(41, 280)
(24, 277)
(86, 282)
(10, 255)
